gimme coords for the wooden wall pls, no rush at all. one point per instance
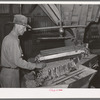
(40, 19)
(80, 15)
(31, 46)
(72, 15)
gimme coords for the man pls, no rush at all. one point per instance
(11, 54)
(92, 40)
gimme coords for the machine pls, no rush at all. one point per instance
(65, 67)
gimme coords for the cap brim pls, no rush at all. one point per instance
(20, 24)
(28, 26)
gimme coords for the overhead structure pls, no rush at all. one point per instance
(52, 11)
(55, 14)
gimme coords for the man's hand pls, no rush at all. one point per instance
(40, 65)
(37, 58)
(32, 60)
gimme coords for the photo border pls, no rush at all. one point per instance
(13, 94)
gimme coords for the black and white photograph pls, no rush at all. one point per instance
(50, 46)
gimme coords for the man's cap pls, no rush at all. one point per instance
(21, 20)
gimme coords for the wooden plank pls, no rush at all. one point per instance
(46, 12)
(70, 15)
(83, 16)
(65, 77)
(98, 13)
(82, 21)
(32, 8)
(90, 10)
(75, 19)
(67, 14)
(4, 8)
(70, 76)
(94, 14)
(16, 8)
(79, 14)
(55, 10)
(48, 9)
(26, 9)
(83, 75)
(76, 14)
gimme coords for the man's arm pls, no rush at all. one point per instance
(17, 59)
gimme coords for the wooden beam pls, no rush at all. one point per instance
(98, 14)
(25, 9)
(15, 8)
(55, 10)
(57, 27)
(79, 15)
(77, 72)
(32, 8)
(95, 9)
(46, 12)
(51, 13)
(83, 16)
(4, 8)
(67, 14)
(90, 11)
(70, 15)
(84, 13)
(76, 14)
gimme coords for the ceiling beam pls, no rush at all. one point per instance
(57, 27)
(51, 13)
(46, 12)
(55, 10)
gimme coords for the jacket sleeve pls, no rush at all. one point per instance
(15, 53)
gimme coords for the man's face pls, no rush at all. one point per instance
(21, 29)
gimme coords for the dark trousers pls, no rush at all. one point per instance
(96, 79)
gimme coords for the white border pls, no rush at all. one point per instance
(46, 92)
(50, 2)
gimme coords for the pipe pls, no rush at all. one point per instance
(53, 38)
(57, 27)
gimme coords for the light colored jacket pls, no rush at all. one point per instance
(11, 54)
